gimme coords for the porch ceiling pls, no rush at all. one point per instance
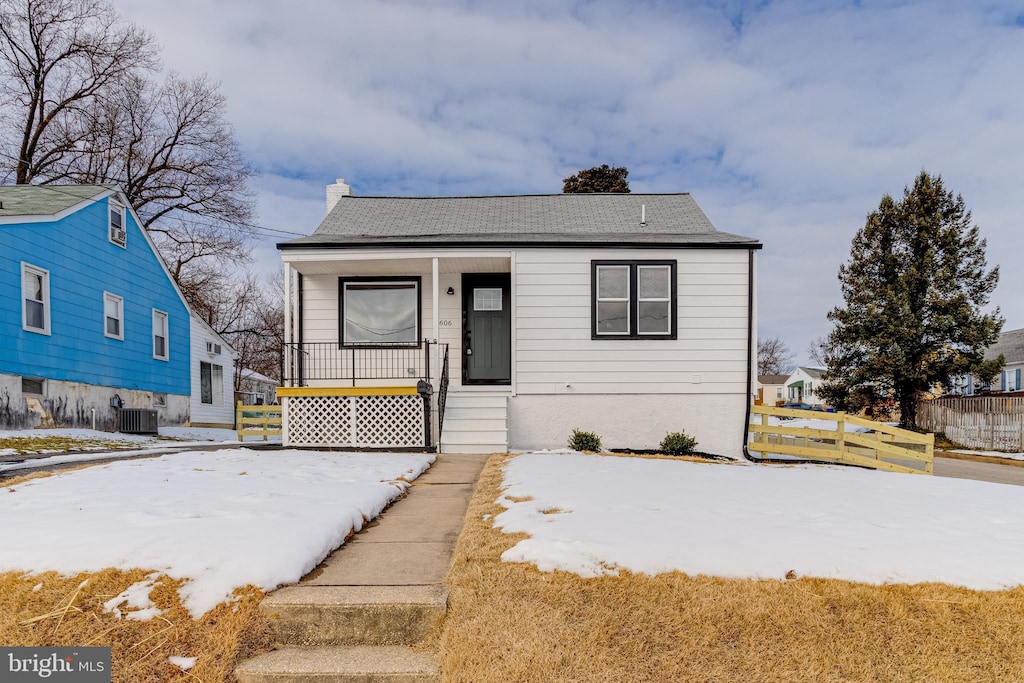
(405, 266)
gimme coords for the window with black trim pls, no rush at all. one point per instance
(633, 299)
(380, 311)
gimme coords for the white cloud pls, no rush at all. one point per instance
(787, 121)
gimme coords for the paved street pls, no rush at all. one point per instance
(982, 471)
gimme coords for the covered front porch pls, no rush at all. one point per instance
(375, 342)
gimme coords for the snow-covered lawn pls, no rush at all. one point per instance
(222, 519)
(592, 514)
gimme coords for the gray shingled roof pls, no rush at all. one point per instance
(45, 200)
(815, 373)
(1010, 344)
(772, 379)
(518, 219)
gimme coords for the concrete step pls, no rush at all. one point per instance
(358, 664)
(474, 413)
(480, 449)
(474, 400)
(354, 615)
(480, 436)
(474, 424)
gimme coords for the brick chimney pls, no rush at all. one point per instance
(336, 191)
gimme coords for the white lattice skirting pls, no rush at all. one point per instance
(354, 421)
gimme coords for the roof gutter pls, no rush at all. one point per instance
(539, 244)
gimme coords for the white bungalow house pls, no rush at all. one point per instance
(483, 324)
(802, 386)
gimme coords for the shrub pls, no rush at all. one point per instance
(678, 443)
(584, 441)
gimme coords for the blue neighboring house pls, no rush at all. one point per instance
(89, 314)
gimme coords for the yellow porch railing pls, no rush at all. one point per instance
(264, 421)
(883, 447)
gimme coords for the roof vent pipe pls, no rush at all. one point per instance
(643, 214)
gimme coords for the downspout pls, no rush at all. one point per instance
(750, 355)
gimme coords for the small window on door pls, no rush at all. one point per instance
(487, 299)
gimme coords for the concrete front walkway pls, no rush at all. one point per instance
(354, 617)
(980, 471)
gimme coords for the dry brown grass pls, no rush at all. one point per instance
(510, 622)
(74, 616)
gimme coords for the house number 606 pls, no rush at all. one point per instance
(445, 323)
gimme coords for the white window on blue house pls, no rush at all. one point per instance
(113, 316)
(160, 335)
(118, 232)
(211, 383)
(1010, 380)
(35, 299)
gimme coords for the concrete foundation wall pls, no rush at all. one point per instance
(638, 421)
(70, 404)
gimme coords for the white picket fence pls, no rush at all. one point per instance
(990, 423)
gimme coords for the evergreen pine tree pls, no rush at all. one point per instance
(914, 289)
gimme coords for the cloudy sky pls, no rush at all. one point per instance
(787, 121)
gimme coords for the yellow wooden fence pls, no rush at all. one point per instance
(264, 421)
(884, 447)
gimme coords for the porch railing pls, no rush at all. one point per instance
(316, 361)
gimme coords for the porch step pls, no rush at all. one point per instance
(354, 615)
(356, 664)
(487, 423)
(473, 399)
(475, 423)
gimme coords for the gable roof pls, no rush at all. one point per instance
(43, 203)
(1010, 344)
(772, 379)
(45, 200)
(815, 373)
(541, 220)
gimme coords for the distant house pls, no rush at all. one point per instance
(771, 389)
(479, 324)
(92, 320)
(802, 386)
(255, 388)
(1011, 346)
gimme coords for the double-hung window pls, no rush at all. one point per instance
(113, 316)
(159, 335)
(380, 311)
(35, 299)
(633, 299)
(118, 232)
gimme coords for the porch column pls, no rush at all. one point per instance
(436, 370)
(287, 322)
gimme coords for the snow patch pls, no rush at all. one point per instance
(183, 663)
(190, 516)
(655, 516)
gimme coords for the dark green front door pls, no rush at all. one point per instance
(486, 328)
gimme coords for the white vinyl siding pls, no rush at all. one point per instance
(208, 413)
(555, 353)
(113, 316)
(35, 299)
